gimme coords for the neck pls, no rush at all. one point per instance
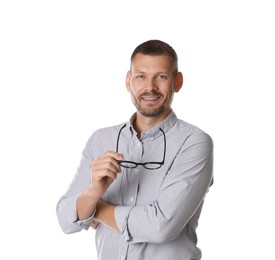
(143, 123)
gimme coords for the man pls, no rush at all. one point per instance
(141, 184)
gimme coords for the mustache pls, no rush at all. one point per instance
(149, 94)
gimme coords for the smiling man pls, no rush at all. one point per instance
(141, 184)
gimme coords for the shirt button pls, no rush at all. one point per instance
(132, 199)
(136, 170)
(122, 257)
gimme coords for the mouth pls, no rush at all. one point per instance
(150, 98)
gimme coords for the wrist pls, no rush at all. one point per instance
(86, 203)
(92, 194)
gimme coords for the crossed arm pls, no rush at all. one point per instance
(104, 172)
(178, 200)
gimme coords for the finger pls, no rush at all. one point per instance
(106, 165)
(116, 156)
(103, 173)
(94, 224)
(106, 162)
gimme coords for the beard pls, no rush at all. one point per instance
(150, 111)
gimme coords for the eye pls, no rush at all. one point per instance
(162, 77)
(140, 76)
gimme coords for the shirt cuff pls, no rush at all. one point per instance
(81, 223)
(121, 217)
(85, 223)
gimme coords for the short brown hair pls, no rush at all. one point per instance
(156, 47)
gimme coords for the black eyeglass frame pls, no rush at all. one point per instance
(145, 165)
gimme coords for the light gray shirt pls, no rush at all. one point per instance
(157, 210)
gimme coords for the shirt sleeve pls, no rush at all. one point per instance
(68, 220)
(181, 194)
(66, 207)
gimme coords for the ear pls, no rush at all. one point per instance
(128, 80)
(179, 82)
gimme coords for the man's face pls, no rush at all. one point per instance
(152, 82)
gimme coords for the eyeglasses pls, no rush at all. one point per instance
(146, 165)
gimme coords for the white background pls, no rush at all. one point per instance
(62, 70)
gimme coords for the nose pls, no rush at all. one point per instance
(151, 84)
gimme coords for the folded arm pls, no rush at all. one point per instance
(181, 194)
(76, 209)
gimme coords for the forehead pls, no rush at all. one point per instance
(148, 63)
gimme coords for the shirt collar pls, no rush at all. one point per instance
(154, 132)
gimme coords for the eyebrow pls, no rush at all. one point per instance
(142, 72)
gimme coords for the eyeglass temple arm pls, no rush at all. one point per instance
(159, 129)
(117, 141)
(164, 144)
